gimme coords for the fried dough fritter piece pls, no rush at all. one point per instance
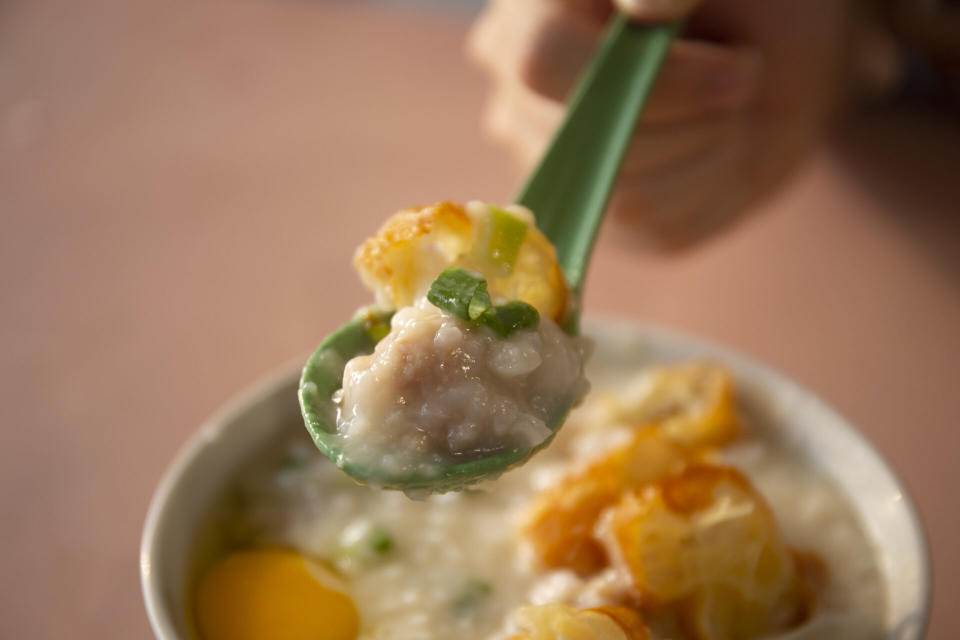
(503, 244)
(685, 410)
(562, 622)
(560, 522)
(707, 542)
(693, 403)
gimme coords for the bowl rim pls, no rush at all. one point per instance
(286, 374)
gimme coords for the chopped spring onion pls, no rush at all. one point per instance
(511, 316)
(457, 290)
(364, 542)
(464, 294)
(381, 542)
(471, 595)
(506, 235)
(375, 327)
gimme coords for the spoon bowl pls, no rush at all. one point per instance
(323, 375)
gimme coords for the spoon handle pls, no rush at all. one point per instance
(568, 191)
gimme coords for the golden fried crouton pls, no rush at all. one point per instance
(720, 612)
(686, 409)
(415, 245)
(693, 403)
(706, 541)
(561, 519)
(561, 622)
(410, 249)
(813, 576)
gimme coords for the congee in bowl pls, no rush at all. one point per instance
(685, 498)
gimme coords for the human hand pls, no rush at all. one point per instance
(741, 100)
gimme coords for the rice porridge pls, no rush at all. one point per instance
(463, 564)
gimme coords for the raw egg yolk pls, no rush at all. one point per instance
(271, 594)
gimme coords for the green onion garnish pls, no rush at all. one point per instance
(375, 327)
(381, 542)
(457, 291)
(464, 294)
(471, 595)
(364, 543)
(506, 236)
(511, 316)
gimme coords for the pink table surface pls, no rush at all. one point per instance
(181, 188)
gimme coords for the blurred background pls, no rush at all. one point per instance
(181, 188)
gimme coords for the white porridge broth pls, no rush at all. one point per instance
(454, 565)
(437, 389)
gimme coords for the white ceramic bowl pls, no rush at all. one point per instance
(202, 471)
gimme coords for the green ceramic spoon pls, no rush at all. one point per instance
(567, 192)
